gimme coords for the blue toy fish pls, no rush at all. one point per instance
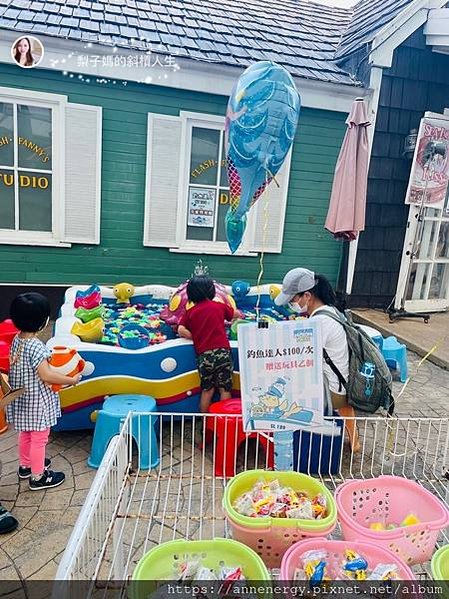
(240, 289)
(261, 122)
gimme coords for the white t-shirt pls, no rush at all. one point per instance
(336, 345)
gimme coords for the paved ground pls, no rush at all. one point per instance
(417, 335)
(47, 518)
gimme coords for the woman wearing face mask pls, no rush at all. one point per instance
(312, 295)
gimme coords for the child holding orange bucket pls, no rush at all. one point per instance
(38, 408)
(204, 324)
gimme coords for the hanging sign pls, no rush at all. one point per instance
(429, 176)
(201, 210)
(281, 377)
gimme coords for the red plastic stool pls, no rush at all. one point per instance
(7, 331)
(4, 357)
(227, 435)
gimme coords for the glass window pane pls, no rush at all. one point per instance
(204, 157)
(200, 234)
(443, 241)
(6, 135)
(439, 284)
(428, 238)
(201, 213)
(35, 213)
(34, 137)
(417, 282)
(7, 208)
(223, 206)
(223, 172)
(432, 213)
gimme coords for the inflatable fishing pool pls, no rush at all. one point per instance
(136, 349)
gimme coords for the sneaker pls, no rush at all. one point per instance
(7, 521)
(24, 472)
(48, 480)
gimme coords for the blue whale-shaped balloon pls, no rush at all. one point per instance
(261, 122)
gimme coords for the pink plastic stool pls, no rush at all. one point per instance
(227, 435)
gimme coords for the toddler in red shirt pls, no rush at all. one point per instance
(204, 324)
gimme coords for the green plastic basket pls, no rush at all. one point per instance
(244, 482)
(440, 564)
(161, 562)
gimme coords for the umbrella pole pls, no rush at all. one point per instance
(340, 289)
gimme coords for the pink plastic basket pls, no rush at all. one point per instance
(390, 499)
(373, 554)
(271, 542)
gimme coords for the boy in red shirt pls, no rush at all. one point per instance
(204, 324)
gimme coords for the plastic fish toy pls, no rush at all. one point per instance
(87, 315)
(91, 332)
(274, 291)
(88, 299)
(68, 362)
(123, 292)
(240, 288)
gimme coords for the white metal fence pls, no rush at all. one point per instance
(129, 511)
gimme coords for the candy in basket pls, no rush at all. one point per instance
(279, 509)
(211, 568)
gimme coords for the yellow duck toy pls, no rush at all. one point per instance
(123, 292)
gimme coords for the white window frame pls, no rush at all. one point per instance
(208, 121)
(57, 105)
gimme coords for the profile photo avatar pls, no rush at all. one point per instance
(27, 51)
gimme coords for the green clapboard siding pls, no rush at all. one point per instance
(121, 255)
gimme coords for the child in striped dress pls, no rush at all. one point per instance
(38, 408)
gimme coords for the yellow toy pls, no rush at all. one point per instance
(355, 566)
(410, 520)
(91, 332)
(123, 292)
(377, 526)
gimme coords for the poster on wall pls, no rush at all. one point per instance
(429, 175)
(201, 210)
(281, 377)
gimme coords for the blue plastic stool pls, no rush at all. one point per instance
(374, 334)
(395, 355)
(109, 421)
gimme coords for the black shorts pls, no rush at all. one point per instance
(215, 368)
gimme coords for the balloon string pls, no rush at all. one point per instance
(262, 253)
(273, 177)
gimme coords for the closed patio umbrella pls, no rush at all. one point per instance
(346, 214)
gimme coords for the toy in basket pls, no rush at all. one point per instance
(320, 560)
(377, 510)
(219, 560)
(271, 536)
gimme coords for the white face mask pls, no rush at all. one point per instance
(297, 308)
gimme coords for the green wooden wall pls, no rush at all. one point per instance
(121, 255)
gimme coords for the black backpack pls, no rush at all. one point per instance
(369, 384)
